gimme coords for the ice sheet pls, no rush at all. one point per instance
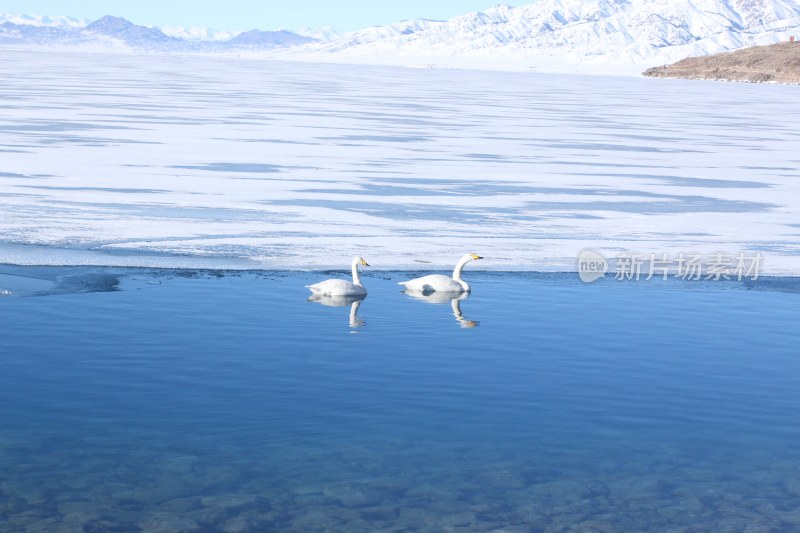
(236, 163)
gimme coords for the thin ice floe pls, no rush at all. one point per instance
(199, 162)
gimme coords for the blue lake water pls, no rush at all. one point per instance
(145, 400)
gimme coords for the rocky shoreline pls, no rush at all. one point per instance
(776, 63)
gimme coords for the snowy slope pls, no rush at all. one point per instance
(601, 31)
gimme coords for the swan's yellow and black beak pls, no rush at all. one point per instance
(476, 256)
(364, 263)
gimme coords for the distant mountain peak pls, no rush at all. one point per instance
(269, 38)
(110, 23)
(129, 33)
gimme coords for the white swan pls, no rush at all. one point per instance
(441, 283)
(340, 287)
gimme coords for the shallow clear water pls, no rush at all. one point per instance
(220, 401)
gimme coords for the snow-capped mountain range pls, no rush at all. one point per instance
(545, 33)
(118, 34)
(43, 20)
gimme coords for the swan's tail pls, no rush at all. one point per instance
(403, 283)
(314, 289)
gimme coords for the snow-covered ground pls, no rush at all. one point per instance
(170, 161)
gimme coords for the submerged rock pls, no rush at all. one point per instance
(248, 521)
(168, 524)
(349, 496)
(229, 501)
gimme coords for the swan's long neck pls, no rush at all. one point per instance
(457, 272)
(356, 277)
(455, 305)
(354, 313)
(465, 322)
(460, 267)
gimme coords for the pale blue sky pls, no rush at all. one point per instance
(344, 15)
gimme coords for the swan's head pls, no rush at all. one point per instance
(360, 261)
(473, 257)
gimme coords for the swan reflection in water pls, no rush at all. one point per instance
(354, 301)
(439, 297)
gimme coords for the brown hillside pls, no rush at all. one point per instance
(776, 63)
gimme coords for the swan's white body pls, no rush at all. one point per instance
(436, 298)
(441, 283)
(455, 299)
(353, 300)
(340, 287)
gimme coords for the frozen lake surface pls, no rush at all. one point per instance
(145, 401)
(165, 161)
